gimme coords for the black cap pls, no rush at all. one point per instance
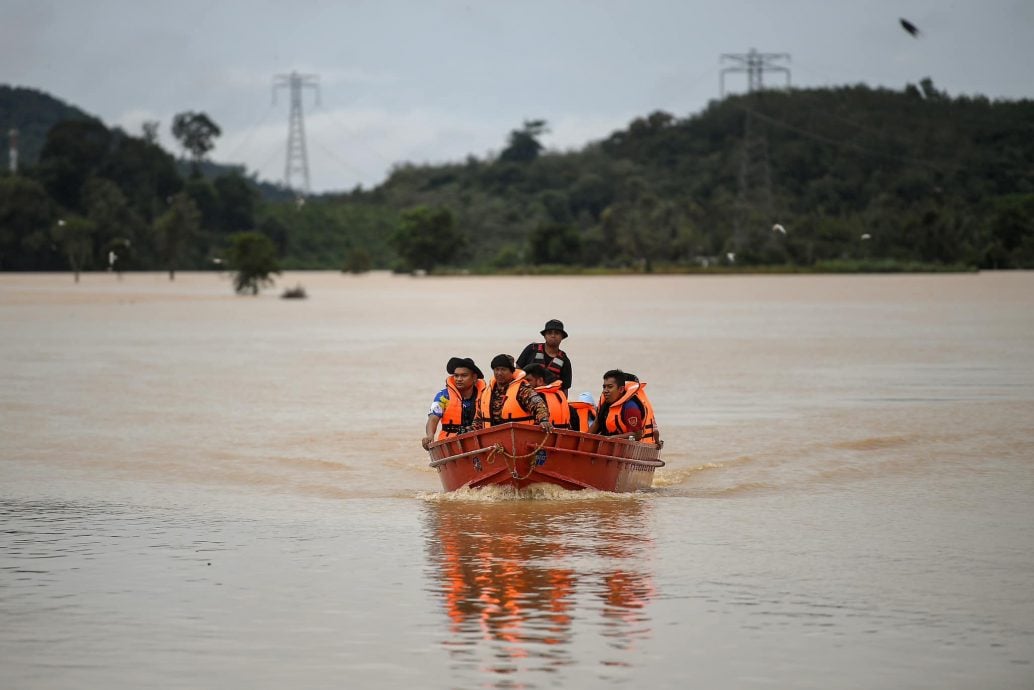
(466, 363)
(503, 361)
(554, 325)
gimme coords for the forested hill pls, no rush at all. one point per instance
(849, 174)
(849, 178)
(32, 113)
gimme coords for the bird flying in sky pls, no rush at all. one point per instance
(909, 27)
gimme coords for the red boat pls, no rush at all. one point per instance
(519, 455)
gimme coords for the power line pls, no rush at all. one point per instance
(847, 144)
(248, 136)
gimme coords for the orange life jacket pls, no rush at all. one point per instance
(512, 410)
(452, 415)
(650, 425)
(613, 425)
(638, 391)
(556, 401)
(584, 412)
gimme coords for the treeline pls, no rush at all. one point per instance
(826, 177)
(98, 197)
(847, 178)
(88, 197)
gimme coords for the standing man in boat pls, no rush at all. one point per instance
(552, 393)
(455, 406)
(549, 354)
(509, 397)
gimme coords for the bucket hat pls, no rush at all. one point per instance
(465, 362)
(554, 325)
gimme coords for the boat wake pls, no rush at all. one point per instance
(536, 492)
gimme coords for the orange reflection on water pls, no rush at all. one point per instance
(525, 582)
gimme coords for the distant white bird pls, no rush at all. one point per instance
(866, 236)
(778, 228)
(731, 256)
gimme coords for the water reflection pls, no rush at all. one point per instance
(539, 585)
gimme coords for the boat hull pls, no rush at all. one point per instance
(519, 455)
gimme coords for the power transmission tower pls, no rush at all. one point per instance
(755, 64)
(754, 178)
(12, 160)
(297, 158)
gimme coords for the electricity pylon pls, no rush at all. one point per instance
(754, 177)
(297, 158)
(755, 64)
(12, 160)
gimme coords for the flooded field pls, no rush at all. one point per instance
(204, 490)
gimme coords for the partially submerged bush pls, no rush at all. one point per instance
(297, 292)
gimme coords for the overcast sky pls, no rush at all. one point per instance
(436, 80)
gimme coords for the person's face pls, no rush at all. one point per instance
(612, 390)
(502, 374)
(553, 338)
(464, 378)
(536, 381)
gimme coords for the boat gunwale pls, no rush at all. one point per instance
(643, 462)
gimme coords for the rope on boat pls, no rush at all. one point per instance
(498, 448)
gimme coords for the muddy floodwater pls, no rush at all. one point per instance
(199, 490)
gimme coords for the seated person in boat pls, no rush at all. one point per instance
(509, 397)
(624, 409)
(552, 393)
(549, 354)
(651, 432)
(583, 411)
(455, 406)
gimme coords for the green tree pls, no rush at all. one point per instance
(523, 145)
(175, 228)
(427, 237)
(196, 133)
(149, 131)
(555, 243)
(357, 260)
(252, 256)
(237, 201)
(203, 194)
(115, 222)
(75, 238)
(74, 150)
(26, 216)
(273, 228)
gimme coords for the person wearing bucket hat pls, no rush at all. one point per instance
(549, 354)
(455, 406)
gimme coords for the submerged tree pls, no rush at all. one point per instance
(175, 228)
(253, 256)
(75, 238)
